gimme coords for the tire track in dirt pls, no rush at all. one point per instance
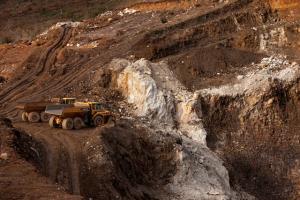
(28, 79)
(59, 84)
(58, 143)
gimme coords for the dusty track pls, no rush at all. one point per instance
(31, 80)
(62, 150)
(19, 178)
(38, 69)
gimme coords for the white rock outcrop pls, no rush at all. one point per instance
(260, 79)
(141, 90)
(59, 25)
(158, 95)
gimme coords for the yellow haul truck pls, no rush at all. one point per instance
(35, 111)
(78, 116)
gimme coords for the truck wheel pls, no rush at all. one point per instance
(98, 120)
(78, 123)
(52, 122)
(34, 117)
(45, 117)
(25, 116)
(68, 124)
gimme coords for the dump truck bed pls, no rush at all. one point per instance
(74, 112)
(57, 109)
(33, 106)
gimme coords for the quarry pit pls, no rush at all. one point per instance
(207, 97)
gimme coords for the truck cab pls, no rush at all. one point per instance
(96, 106)
(100, 115)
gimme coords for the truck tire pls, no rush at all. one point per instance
(78, 123)
(52, 122)
(34, 117)
(98, 121)
(25, 116)
(45, 117)
(68, 124)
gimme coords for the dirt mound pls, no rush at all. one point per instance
(288, 9)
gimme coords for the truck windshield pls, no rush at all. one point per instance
(68, 101)
(97, 106)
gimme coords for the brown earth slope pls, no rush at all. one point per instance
(22, 20)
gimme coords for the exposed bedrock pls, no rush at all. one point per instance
(130, 162)
(253, 126)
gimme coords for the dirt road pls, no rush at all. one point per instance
(19, 179)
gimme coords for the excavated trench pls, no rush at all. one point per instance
(124, 161)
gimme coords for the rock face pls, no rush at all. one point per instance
(165, 167)
(158, 95)
(200, 175)
(140, 89)
(231, 116)
(252, 126)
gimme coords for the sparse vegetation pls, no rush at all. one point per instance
(37, 15)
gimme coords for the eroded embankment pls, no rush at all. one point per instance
(213, 47)
(217, 26)
(256, 131)
(111, 162)
(50, 156)
(128, 161)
